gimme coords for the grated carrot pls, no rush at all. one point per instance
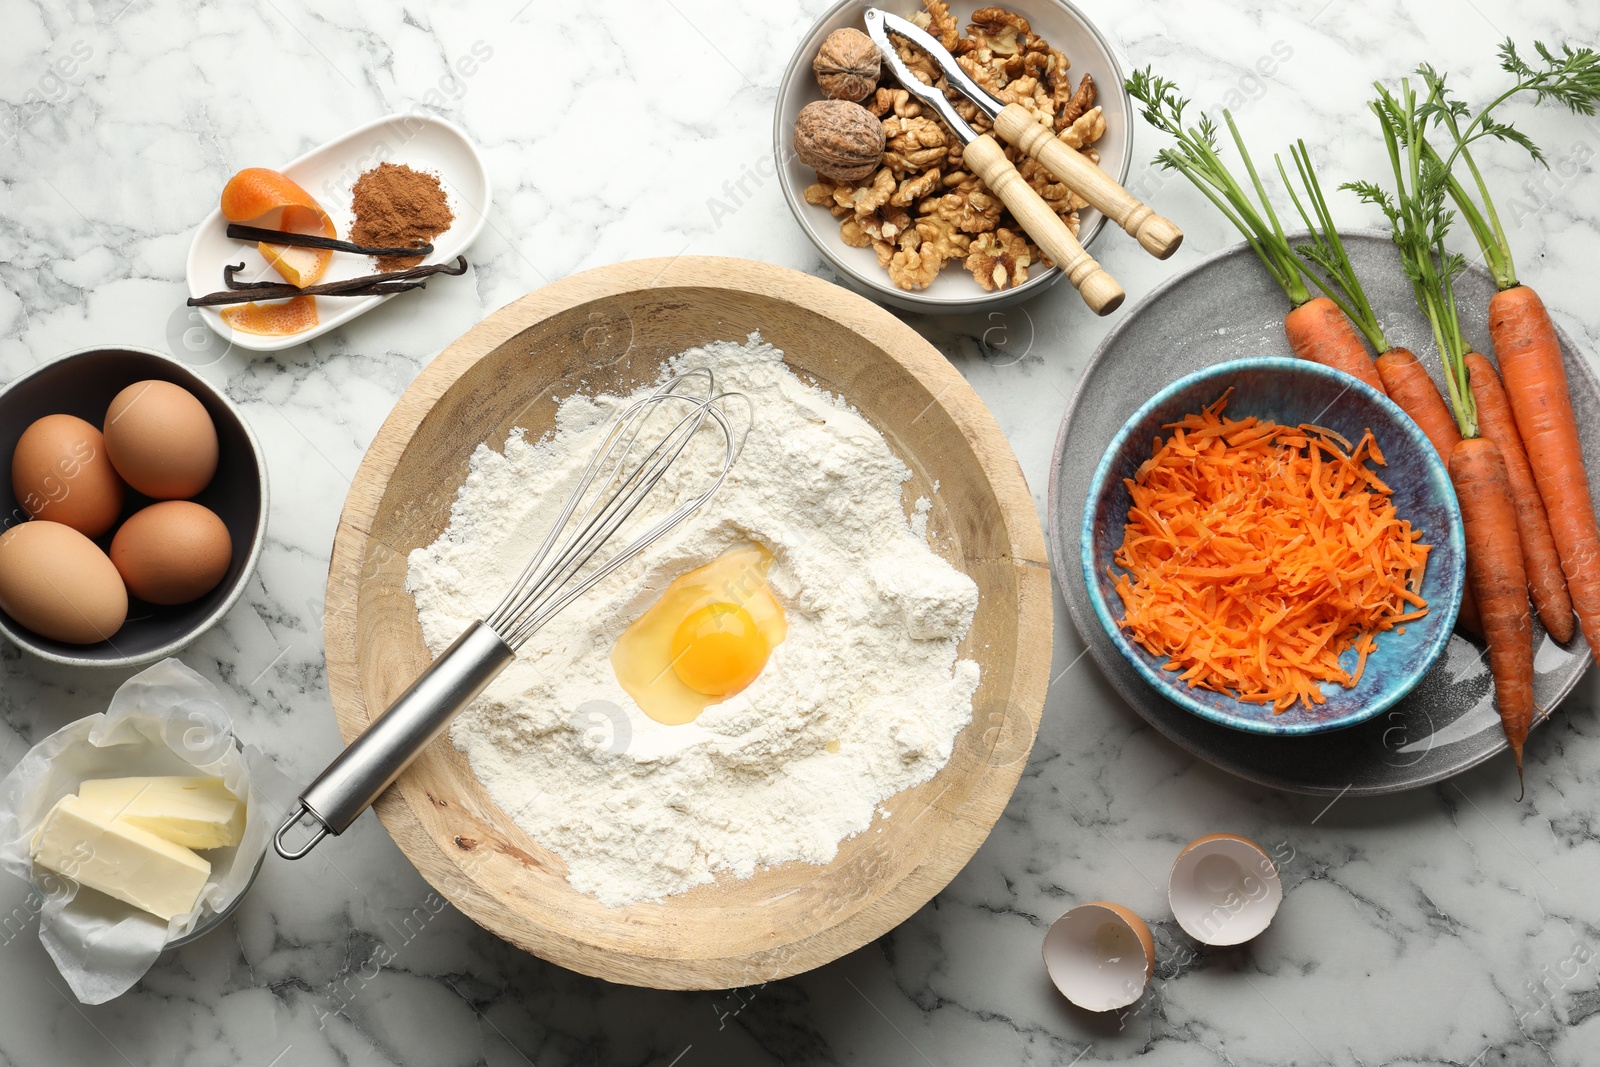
(1256, 555)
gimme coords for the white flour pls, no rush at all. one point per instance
(862, 700)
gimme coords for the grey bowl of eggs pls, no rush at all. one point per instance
(134, 511)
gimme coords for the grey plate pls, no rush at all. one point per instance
(1226, 307)
(217, 918)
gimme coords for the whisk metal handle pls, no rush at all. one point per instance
(375, 759)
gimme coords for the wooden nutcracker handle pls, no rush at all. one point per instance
(985, 158)
(1158, 235)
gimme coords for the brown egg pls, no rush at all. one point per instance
(161, 440)
(172, 552)
(60, 473)
(57, 583)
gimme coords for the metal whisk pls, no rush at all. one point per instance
(628, 465)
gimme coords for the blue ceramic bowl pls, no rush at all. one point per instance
(1291, 391)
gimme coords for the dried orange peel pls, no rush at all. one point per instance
(1255, 555)
(257, 193)
(279, 318)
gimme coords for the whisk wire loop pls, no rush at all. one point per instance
(546, 585)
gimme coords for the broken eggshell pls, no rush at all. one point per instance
(1100, 956)
(1224, 889)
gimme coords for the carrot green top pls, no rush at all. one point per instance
(1417, 214)
(1571, 79)
(1195, 156)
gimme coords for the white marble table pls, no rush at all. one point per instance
(1448, 925)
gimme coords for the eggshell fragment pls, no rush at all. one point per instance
(1100, 955)
(60, 473)
(172, 552)
(57, 583)
(1224, 889)
(161, 440)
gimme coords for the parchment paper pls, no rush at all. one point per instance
(166, 720)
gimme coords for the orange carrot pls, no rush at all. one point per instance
(1494, 567)
(1319, 331)
(1469, 620)
(1256, 555)
(1525, 341)
(1539, 555)
(1495, 571)
(1408, 384)
(1406, 381)
(1536, 385)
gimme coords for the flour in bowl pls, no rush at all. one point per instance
(863, 698)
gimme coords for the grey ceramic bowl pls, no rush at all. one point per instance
(217, 918)
(83, 383)
(954, 291)
(1291, 392)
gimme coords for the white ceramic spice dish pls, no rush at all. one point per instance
(327, 172)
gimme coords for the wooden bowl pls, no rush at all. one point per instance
(609, 329)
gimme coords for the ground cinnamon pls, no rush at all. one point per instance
(396, 206)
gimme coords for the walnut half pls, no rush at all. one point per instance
(999, 260)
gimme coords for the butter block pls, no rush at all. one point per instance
(194, 812)
(119, 859)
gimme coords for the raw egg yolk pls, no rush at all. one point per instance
(707, 637)
(718, 650)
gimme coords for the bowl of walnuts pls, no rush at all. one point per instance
(880, 187)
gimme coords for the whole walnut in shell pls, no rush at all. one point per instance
(847, 65)
(840, 140)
